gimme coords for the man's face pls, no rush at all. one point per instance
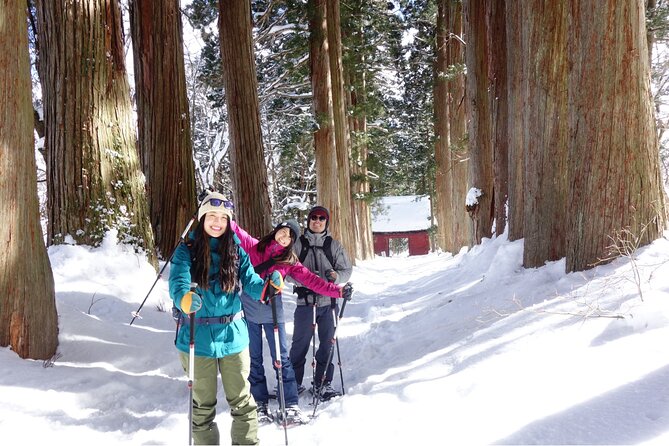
(317, 222)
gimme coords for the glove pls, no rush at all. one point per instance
(347, 291)
(331, 275)
(276, 280)
(273, 285)
(191, 302)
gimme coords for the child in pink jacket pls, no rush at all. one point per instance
(274, 252)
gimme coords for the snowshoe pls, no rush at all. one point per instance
(294, 417)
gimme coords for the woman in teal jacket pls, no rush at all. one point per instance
(213, 259)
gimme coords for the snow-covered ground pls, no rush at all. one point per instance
(436, 349)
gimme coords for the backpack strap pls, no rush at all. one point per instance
(327, 249)
(305, 248)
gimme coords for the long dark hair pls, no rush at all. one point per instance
(287, 256)
(227, 250)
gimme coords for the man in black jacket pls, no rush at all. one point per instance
(325, 257)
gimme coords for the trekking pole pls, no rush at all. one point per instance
(341, 374)
(330, 355)
(182, 239)
(313, 348)
(277, 362)
(191, 369)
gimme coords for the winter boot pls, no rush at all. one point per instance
(326, 394)
(264, 415)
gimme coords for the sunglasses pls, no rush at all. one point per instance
(216, 202)
(318, 217)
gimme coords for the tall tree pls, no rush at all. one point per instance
(443, 176)
(614, 174)
(457, 127)
(324, 140)
(163, 117)
(544, 59)
(28, 320)
(94, 175)
(517, 75)
(360, 23)
(247, 159)
(480, 115)
(497, 95)
(341, 131)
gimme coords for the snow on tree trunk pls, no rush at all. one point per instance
(95, 183)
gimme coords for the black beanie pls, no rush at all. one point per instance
(292, 225)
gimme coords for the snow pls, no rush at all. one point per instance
(402, 213)
(438, 349)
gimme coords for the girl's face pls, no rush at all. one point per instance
(215, 224)
(282, 237)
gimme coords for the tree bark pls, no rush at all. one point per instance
(324, 140)
(496, 34)
(164, 136)
(517, 77)
(614, 170)
(247, 156)
(443, 202)
(546, 145)
(480, 116)
(357, 100)
(341, 131)
(95, 180)
(28, 317)
(457, 127)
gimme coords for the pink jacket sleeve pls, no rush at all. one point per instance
(246, 241)
(313, 282)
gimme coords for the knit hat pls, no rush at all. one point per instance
(292, 225)
(319, 210)
(215, 202)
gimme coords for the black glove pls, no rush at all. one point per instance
(347, 291)
(331, 275)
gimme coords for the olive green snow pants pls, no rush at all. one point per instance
(234, 371)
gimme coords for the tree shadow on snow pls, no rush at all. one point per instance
(626, 415)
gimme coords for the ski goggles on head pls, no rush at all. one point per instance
(216, 202)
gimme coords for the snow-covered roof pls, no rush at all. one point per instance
(401, 214)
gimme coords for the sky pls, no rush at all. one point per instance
(470, 349)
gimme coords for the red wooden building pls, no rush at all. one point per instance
(400, 225)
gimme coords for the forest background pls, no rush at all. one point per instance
(544, 110)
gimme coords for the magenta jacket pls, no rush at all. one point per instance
(256, 311)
